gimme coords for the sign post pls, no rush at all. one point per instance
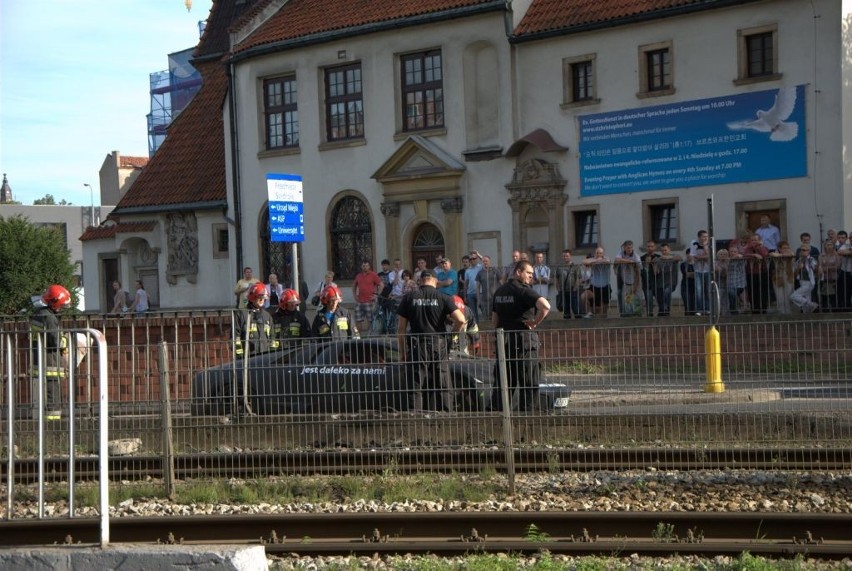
(287, 213)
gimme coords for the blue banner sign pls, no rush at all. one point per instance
(286, 207)
(723, 140)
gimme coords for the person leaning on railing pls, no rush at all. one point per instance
(597, 296)
(668, 266)
(757, 274)
(570, 281)
(782, 277)
(844, 274)
(828, 266)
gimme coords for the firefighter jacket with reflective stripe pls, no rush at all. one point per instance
(253, 327)
(45, 323)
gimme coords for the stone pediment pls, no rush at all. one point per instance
(418, 156)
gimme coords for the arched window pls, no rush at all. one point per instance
(351, 237)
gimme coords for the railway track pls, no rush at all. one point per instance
(351, 461)
(646, 533)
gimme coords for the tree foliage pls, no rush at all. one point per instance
(48, 199)
(31, 258)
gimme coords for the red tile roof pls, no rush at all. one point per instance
(301, 18)
(132, 162)
(216, 40)
(189, 167)
(574, 15)
(101, 232)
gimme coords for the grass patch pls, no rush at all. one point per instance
(292, 489)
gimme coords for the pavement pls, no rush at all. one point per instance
(135, 558)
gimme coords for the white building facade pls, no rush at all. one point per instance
(503, 169)
(495, 126)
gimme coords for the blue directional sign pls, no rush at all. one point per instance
(286, 207)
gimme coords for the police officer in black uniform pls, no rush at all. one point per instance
(518, 309)
(427, 311)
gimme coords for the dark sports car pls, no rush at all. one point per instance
(341, 376)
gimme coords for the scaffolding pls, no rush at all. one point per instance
(171, 92)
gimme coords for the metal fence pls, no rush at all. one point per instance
(672, 286)
(180, 402)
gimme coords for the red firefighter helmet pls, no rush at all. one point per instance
(289, 296)
(459, 302)
(330, 293)
(256, 292)
(56, 297)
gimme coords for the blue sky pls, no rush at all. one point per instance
(74, 86)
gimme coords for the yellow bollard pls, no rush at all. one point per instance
(713, 350)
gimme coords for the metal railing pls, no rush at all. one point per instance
(669, 287)
(18, 432)
(614, 384)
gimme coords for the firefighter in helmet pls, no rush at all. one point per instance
(54, 346)
(253, 326)
(290, 324)
(333, 321)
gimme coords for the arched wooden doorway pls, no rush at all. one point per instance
(426, 242)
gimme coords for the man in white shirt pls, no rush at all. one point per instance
(541, 276)
(770, 234)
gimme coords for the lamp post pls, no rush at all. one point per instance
(92, 202)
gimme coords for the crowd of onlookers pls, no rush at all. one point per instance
(755, 273)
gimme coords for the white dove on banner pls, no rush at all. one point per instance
(774, 121)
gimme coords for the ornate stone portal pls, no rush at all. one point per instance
(418, 174)
(182, 236)
(536, 194)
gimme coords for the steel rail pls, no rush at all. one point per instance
(647, 533)
(352, 461)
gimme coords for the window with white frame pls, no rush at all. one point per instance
(282, 115)
(344, 103)
(422, 90)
